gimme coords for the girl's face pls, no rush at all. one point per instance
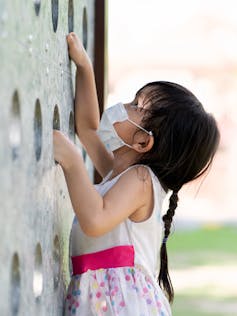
(136, 111)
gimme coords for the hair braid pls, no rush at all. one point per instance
(164, 278)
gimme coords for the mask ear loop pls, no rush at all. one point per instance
(143, 129)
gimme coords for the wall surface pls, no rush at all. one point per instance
(36, 95)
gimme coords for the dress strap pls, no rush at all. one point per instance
(106, 178)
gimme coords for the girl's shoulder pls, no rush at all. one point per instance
(141, 172)
(145, 174)
(151, 192)
(137, 173)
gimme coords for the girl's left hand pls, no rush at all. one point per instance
(64, 150)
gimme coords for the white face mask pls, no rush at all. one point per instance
(107, 132)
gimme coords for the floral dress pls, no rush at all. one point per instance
(129, 288)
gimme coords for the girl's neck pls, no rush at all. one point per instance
(123, 159)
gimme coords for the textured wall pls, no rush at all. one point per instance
(36, 93)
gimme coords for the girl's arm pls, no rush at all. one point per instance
(98, 215)
(87, 115)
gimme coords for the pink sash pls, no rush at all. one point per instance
(120, 256)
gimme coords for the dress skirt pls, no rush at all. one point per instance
(123, 291)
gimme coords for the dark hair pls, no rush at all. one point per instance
(186, 138)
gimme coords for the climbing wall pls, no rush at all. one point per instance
(36, 95)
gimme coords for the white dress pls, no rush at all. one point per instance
(125, 291)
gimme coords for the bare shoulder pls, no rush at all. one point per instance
(138, 182)
(130, 196)
(137, 177)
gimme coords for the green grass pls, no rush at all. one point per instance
(214, 245)
(187, 305)
(207, 246)
(213, 238)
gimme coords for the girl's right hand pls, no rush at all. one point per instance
(76, 50)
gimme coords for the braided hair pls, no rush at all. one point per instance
(186, 138)
(164, 278)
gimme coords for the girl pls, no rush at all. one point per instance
(143, 150)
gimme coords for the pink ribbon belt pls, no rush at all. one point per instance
(120, 256)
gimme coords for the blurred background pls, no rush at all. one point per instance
(194, 44)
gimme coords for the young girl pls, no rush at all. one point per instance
(143, 149)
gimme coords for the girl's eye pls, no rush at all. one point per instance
(134, 106)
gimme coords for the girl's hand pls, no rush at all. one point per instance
(76, 50)
(65, 152)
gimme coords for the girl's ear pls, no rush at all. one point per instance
(144, 143)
